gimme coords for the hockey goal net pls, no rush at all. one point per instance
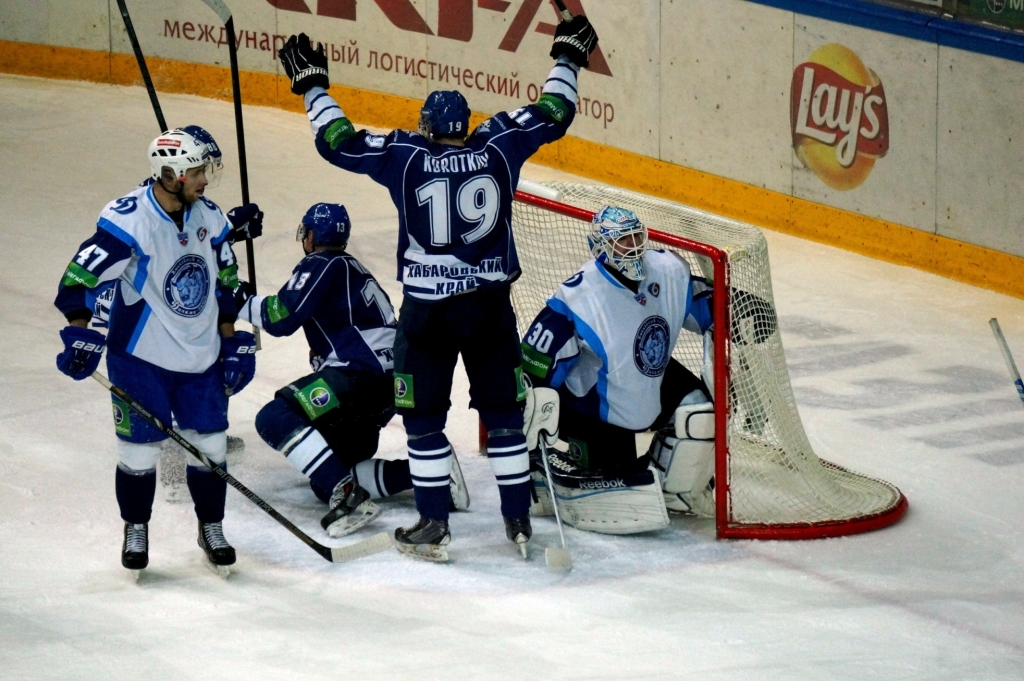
(769, 482)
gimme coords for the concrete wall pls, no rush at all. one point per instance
(704, 85)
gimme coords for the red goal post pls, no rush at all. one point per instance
(768, 482)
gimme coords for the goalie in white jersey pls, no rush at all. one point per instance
(172, 341)
(601, 352)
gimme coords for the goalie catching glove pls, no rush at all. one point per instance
(575, 39)
(304, 66)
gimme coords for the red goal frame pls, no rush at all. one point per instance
(725, 527)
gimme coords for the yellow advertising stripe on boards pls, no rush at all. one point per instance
(975, 265)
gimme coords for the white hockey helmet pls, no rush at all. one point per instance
(620, 239)
(178, 150)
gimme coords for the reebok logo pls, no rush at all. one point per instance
(602, 484)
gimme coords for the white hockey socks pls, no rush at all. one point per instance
(213, 445)
(307, 451)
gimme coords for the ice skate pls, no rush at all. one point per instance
(135, 549)
(460, 493)
(219, 553)
(351, 509)
(427, 539)
(519, 531)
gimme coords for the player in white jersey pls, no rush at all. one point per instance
(172, 341)
(602, 347)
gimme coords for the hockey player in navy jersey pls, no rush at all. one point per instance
(456, 261)
(327, 422)
(603, 347)
(172, 343)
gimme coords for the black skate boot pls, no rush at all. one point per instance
(351, 508)
(219, 553)
(426, 539)
(519, 530)
(135, 549)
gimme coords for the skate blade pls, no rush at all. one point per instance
(222, 571)
(135, 575)
(364, 514)
(557, 558)
(431, 552)
(521, 542)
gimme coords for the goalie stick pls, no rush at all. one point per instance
(555, 557)
(1010, 364)
(139, 57)
(375, 544)
(224, 13)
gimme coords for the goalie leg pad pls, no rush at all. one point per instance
(685, 456)
(625, 504)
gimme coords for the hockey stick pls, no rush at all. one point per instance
(375, 544)
(139, 57)
(1010, 364)
(563, 10)
(224, 13)
(556, 558)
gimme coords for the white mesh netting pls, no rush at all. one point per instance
(774, 476)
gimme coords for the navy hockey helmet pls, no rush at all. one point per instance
(444, 114)
(204, 137)
(329, 224)
(620, 239)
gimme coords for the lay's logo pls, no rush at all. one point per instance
(839, 116)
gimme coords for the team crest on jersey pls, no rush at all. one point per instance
(202, 234)
(650, 347)
(654, 289)
(183, 238)
(574, 280)
(640, 298)
(187, 286)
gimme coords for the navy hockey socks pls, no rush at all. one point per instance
(328, 474)
(511, 465)
(430, 467)
(208, 493)
(135, 491)
(382, 478)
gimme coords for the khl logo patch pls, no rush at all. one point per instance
(187, 286)
(650, 347)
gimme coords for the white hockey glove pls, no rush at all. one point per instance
(540, 417)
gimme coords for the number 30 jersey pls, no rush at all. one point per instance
(171, 286)
(454, 203)
(348, 319)
(610, 346)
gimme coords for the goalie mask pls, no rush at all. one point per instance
(619, 239)
(179, 151)
(444, 114)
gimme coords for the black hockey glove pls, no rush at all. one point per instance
(246, 221)
(575, 39)
(242, 293)
(306, 67)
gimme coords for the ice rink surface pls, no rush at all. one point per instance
(895, 371)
